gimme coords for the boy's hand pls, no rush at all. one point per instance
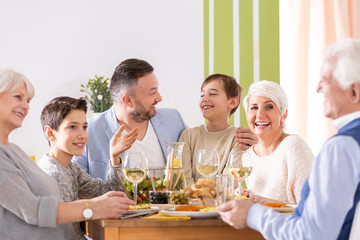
(245, 137)
(120, 143)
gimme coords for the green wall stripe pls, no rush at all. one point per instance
(269, 49)
(246, 51)
(223, 39)
(206, 38)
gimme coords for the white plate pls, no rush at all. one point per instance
(289, 209)
(172, 213)
(143, 210)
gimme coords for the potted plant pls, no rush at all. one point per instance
(97, 92)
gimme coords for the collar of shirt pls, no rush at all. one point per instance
(342, 121)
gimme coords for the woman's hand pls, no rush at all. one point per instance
(110, 205)
(244, 192)
(120, 143)
(245, 138)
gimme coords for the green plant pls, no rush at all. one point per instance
(98, 93)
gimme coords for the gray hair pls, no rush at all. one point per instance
(270, 90)
(347, 54)
(10, 80)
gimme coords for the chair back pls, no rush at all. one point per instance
(355, 228)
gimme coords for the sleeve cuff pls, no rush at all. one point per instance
(255, 215)
(116, 166)
(48, 212)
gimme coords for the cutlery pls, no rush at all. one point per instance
(151, 211)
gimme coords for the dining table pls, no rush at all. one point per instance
(138, 228)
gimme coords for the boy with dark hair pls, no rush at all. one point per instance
(64, 123)
(219, 98)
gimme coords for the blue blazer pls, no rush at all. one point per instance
(167, 124)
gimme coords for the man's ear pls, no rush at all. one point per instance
(49, 134)
(355, 93)
(128, 100)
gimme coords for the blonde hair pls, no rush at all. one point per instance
(11, 80)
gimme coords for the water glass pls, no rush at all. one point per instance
(224, 188)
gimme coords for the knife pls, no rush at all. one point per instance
(139, 214)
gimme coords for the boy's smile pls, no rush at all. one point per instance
(71, 137)
(213, 101)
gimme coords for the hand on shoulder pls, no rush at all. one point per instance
(245, 137)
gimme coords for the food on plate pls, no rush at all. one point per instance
(178, 198)
(204, 188)
(274, 205)
(140, 206)
(208, 209)
(159, 197)
(205, 183)
(242, 197)
(190, 208)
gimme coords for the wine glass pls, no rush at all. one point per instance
(135, 168)
(207, 163)
(240, 166)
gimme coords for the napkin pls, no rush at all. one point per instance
(159, 216)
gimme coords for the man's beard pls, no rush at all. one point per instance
(140, 114)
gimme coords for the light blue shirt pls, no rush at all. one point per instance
(167, 124)
(333, 182)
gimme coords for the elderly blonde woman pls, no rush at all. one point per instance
(30, 202)
(281, 162)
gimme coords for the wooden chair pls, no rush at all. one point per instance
(355, 229)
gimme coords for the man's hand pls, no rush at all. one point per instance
(120, 143)
(235, 212)
(245, 138)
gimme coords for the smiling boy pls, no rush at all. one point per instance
(64, 123)
(219, 99)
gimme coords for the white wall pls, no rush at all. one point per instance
(60, 44)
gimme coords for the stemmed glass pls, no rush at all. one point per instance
(135, 168)
(207, 163)
(240, 167)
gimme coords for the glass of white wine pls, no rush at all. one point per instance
(135, 168)
(207, 163)
(240, 167)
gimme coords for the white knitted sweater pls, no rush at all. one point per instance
(280, 175)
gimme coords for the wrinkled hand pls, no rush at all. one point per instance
(120, 143)
(235, 212)
(245, 137)
(110, 205)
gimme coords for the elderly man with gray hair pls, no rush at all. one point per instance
(331, 193)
